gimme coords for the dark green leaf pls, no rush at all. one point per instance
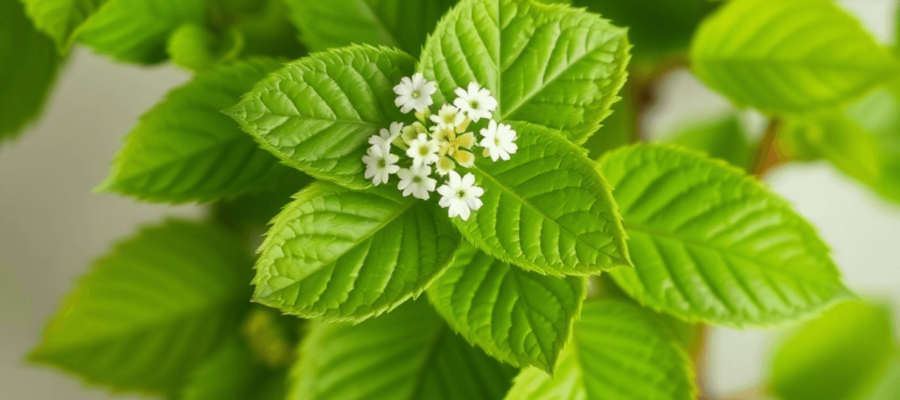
(59, 19)
(232, 373)
(723, 138)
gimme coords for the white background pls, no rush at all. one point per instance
(52, 226)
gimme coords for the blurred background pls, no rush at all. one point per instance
(52, 225)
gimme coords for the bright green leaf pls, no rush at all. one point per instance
(723, 138)
(403, 24)
(137, 30)
(551, 65)
(60, 18)
(710, 243)
(152, 310)
(346, 255)
(520, 317)
(28, 63)
(788, 56)
(232, 373)
(863, 141)
(619, 352)
(409, 354)
(838, 356)
(547, 209)
(185, 149)
(318, 113)
(197, 48)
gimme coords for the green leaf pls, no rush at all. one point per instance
(152, 310)
(520, 317)
(317, 114)
(618, 130)
(709, 243)
(547, 209)
(136, 31)
(403, 24)
(59, 19)
(28, 63)
(409, 354)
(658, 28)
(346, 255)
(839, 356)
(723, 138)
(619, 352)
(863, 140)
(788, 56)
(197, 48)
(233, 373)
(551, 65)
(185, 149)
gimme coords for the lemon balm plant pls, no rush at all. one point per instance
(455, 196)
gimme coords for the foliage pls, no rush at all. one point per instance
(583, 263)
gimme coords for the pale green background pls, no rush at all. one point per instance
(52, 226)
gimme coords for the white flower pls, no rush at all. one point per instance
(460, 195)
(423, 151)
(387, 137)
(476, 102)
(380, 164)
(416, 180)
(499, 140)
(448, 118)
(414, 94)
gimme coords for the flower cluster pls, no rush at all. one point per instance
(442, 141)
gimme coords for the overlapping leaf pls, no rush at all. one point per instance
(710, 243)
(318, 113)
(59, 19)
(232, 373)
(152, 310)
(409, 354)
(403, 24)
(520, 317)
(185, 149)
(619, 352)
(28, 63)
(341, 254)
(788, 56)
(723, 138)
(550, 65)
(137, 30)
(547, 209)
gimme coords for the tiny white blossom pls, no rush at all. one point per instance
(423, 150)
(448, 118)
(460, 195)
(380, 164)
(387, 137)
(416, 181)
(476, 102)
(414, 94)
(499, 140)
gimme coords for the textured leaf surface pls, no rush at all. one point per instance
(403, 24)
(547, 209)
(710, 243)
(185, 149)
(28, 63)
(520, 317)
(838, 356)
(788, 56)
(341, 254)
(152, 310)
(59, 19)
(137, 30)
(232, 373)
(551, 65)
(318, 113)
(619, 352)
(409, 354)
(863, 140)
